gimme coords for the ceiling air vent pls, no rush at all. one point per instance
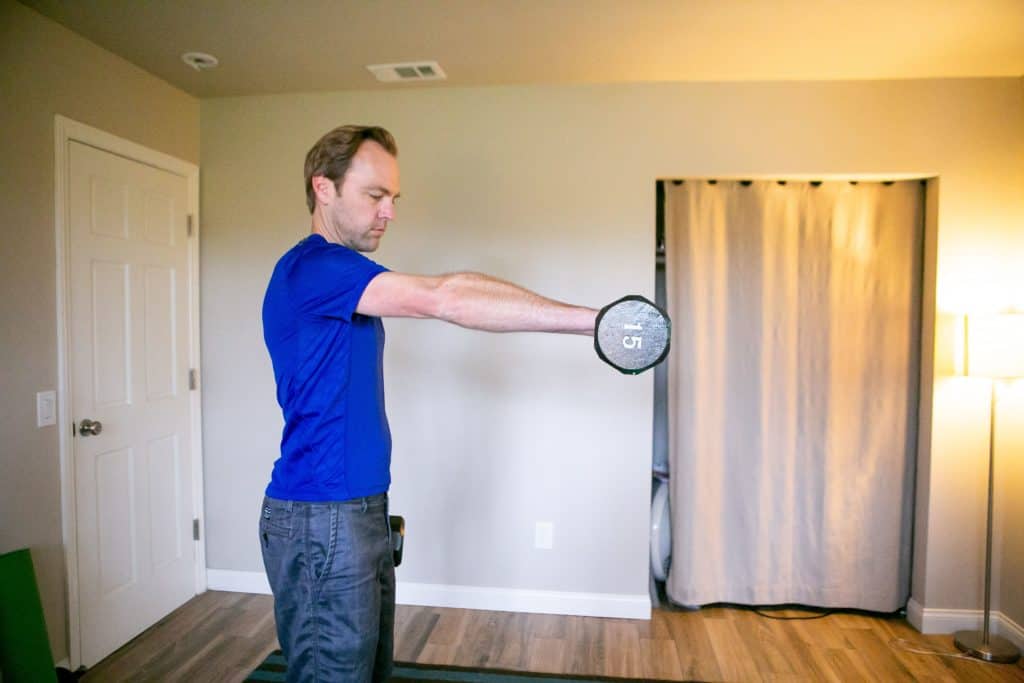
(409, 71)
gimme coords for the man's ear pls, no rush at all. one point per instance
(323, 188)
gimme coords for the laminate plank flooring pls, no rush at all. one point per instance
(221, 636)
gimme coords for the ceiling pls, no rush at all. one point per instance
(277, 46)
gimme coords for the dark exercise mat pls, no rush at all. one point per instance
(274, 670)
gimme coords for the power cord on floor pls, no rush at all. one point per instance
(907, 646)
(763, 610)
(815, 612)
(758, 611)
(896, 643)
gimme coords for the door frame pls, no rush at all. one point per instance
(66, 131)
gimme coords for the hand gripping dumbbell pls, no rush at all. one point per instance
(397, 524)
(632, 334)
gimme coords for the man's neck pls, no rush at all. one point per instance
(318, 226)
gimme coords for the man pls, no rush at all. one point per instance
(324, 524)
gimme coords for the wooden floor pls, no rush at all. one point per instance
(222, 636)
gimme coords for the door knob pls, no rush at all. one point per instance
(90, 427)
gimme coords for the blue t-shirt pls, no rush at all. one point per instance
(328, 363)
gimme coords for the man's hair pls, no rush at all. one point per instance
(332, 154)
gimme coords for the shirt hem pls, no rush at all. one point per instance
(325, 496)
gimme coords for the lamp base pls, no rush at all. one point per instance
(997, 649)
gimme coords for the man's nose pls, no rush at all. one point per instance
(387, 211)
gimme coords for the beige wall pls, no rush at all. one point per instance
(46, 70)
(1010, 481)
(554, 187)
(549, 186)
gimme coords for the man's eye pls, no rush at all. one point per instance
(376, 197)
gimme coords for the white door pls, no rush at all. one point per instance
(128, 352)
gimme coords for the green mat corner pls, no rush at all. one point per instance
(25, 655)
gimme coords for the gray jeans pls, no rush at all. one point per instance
(333, 577)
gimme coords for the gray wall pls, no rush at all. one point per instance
(48, 70)
(553, 187)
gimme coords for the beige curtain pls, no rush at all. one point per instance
(793, 390)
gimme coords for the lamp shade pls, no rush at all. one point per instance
(995, 345)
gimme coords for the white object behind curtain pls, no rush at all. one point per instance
(793, 390)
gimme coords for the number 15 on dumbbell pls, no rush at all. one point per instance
(632, 334)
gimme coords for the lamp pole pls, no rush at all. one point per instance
(983, 645)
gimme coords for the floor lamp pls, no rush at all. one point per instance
(995, 349)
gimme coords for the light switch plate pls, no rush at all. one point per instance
(46, 408)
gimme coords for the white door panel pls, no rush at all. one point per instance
(128, 277)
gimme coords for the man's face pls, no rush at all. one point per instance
(358, 215)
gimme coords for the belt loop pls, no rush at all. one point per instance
(364, 505)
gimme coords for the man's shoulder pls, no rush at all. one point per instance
(309, 253)
(314, 259)
(315, 249)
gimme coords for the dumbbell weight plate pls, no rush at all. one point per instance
(632, 334)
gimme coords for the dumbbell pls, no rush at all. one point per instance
(397, 523)
(632, 334)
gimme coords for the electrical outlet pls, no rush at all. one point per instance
(545, 535)
(46, 408)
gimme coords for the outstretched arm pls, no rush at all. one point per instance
(472, 300)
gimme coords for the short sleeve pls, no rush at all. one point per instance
(328, 281)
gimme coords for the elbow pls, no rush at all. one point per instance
(449, 300)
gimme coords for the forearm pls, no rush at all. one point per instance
(481, 302)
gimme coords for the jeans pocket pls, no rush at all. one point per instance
(322, 540)
(275, 520)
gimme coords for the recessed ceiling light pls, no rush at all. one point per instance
(200, 61)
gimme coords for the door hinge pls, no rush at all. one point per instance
(195, 529)
(193, 379)
(188, 225)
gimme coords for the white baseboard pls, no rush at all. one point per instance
(472, 597)
(518, 600)
(915, 615)
(1011, 630)
(930, 620)
(237, 582)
